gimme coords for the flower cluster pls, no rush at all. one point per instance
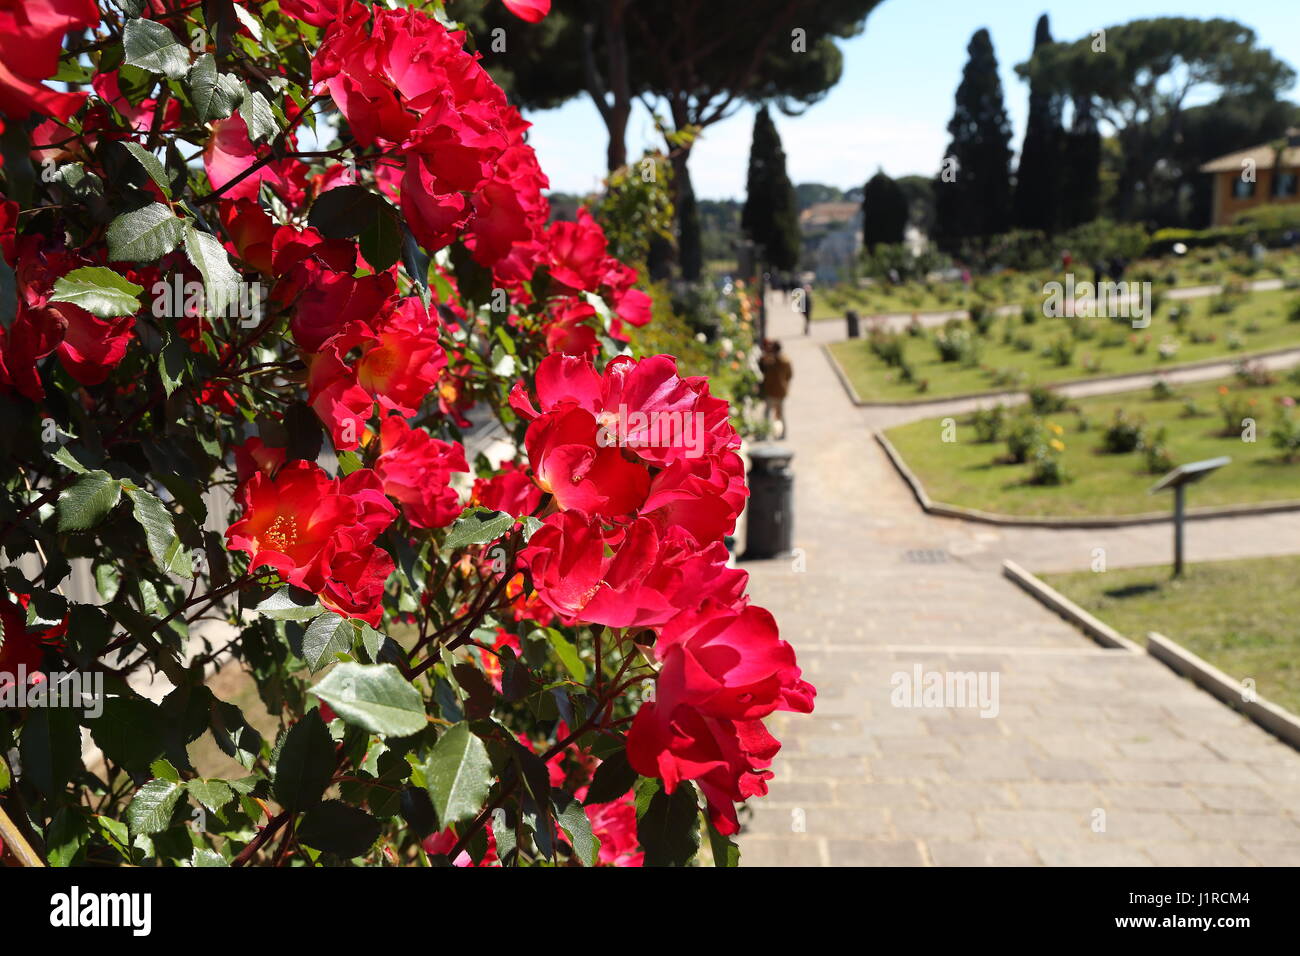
(642, 464)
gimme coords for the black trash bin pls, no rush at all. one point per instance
(770, 523)
(854, 323)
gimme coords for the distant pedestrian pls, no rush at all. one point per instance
(805, 305)
(777, 372)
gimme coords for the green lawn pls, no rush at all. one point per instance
(1012, 355)
(1241, 616)
(1203, 267)
(973, 474)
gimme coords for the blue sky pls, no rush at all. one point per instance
(894, 100)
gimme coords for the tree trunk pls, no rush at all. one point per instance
(689, 253)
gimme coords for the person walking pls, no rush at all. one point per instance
(805, 306)
(777, 372)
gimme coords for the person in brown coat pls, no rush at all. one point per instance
(777, 372)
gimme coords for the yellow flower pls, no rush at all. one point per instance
(1057, 444)
(1056, 429)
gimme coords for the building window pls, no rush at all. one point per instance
(1284, 184)
(1241, 189)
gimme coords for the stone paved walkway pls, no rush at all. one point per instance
(1095, 756)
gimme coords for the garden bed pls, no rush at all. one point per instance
(975, 474)
(1015, 354)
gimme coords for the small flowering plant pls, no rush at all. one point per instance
(238, 377)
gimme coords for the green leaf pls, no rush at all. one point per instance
(88, 500)
(130, 732)
(220, 280)
(458, 775)
(326, 636)
(159, 532)
(151, 46)
(67, 833)
(258, 117)
(305, 764)
(99, 291)
(667, 825)
(8, 294)
(337, 828)
(375, 697)
(207, 858)
(568, 655)
(174, 363)
(381, 239)
(144, 235)
(214, 95)
(162, 769)
(725, 853)
(65, 458)
(213, 794)
(50, 748)
(151, 166)
(614, 777)
(289, 604)
(574, 822)
(478, 526)
(151, 810)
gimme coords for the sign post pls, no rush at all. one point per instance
(1178, 480)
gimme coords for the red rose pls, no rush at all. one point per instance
(416, 469)
(31, 42)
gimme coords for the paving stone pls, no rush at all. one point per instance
(1198, 854)
(983, 853)
(873, 853)
(1091, 854)
(769, 851)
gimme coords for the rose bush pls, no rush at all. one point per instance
(236, 376)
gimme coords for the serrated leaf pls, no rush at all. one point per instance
(290, 604)
(214, 95)
(258, 117)
(375, 697)
(305, 764)
(574, 822)
(50, 748)
(207, 858)
(458, 775)
(220, 280)
(381, 240)
(151, 46)
(478, 526)
(151, 810)
(213, 794)
(667, 825)
(337, 828)
(130, 732)
(613, 778)
(144, 235)
(66, 459)
(88, 500)
(326, 636)
(99, 291)
(160, 534)
(151, 165)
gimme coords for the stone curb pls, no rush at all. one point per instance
(1276, 720)
(1098, 630)
(1124, 381)
(1033, 521)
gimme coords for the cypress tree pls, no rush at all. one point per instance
(884, 212)
(1081, 167)
(771, 214)
(1037, 203)
(973, 190)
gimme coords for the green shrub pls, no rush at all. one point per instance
(988, 423)
(1046, 401)
(1123, 435)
